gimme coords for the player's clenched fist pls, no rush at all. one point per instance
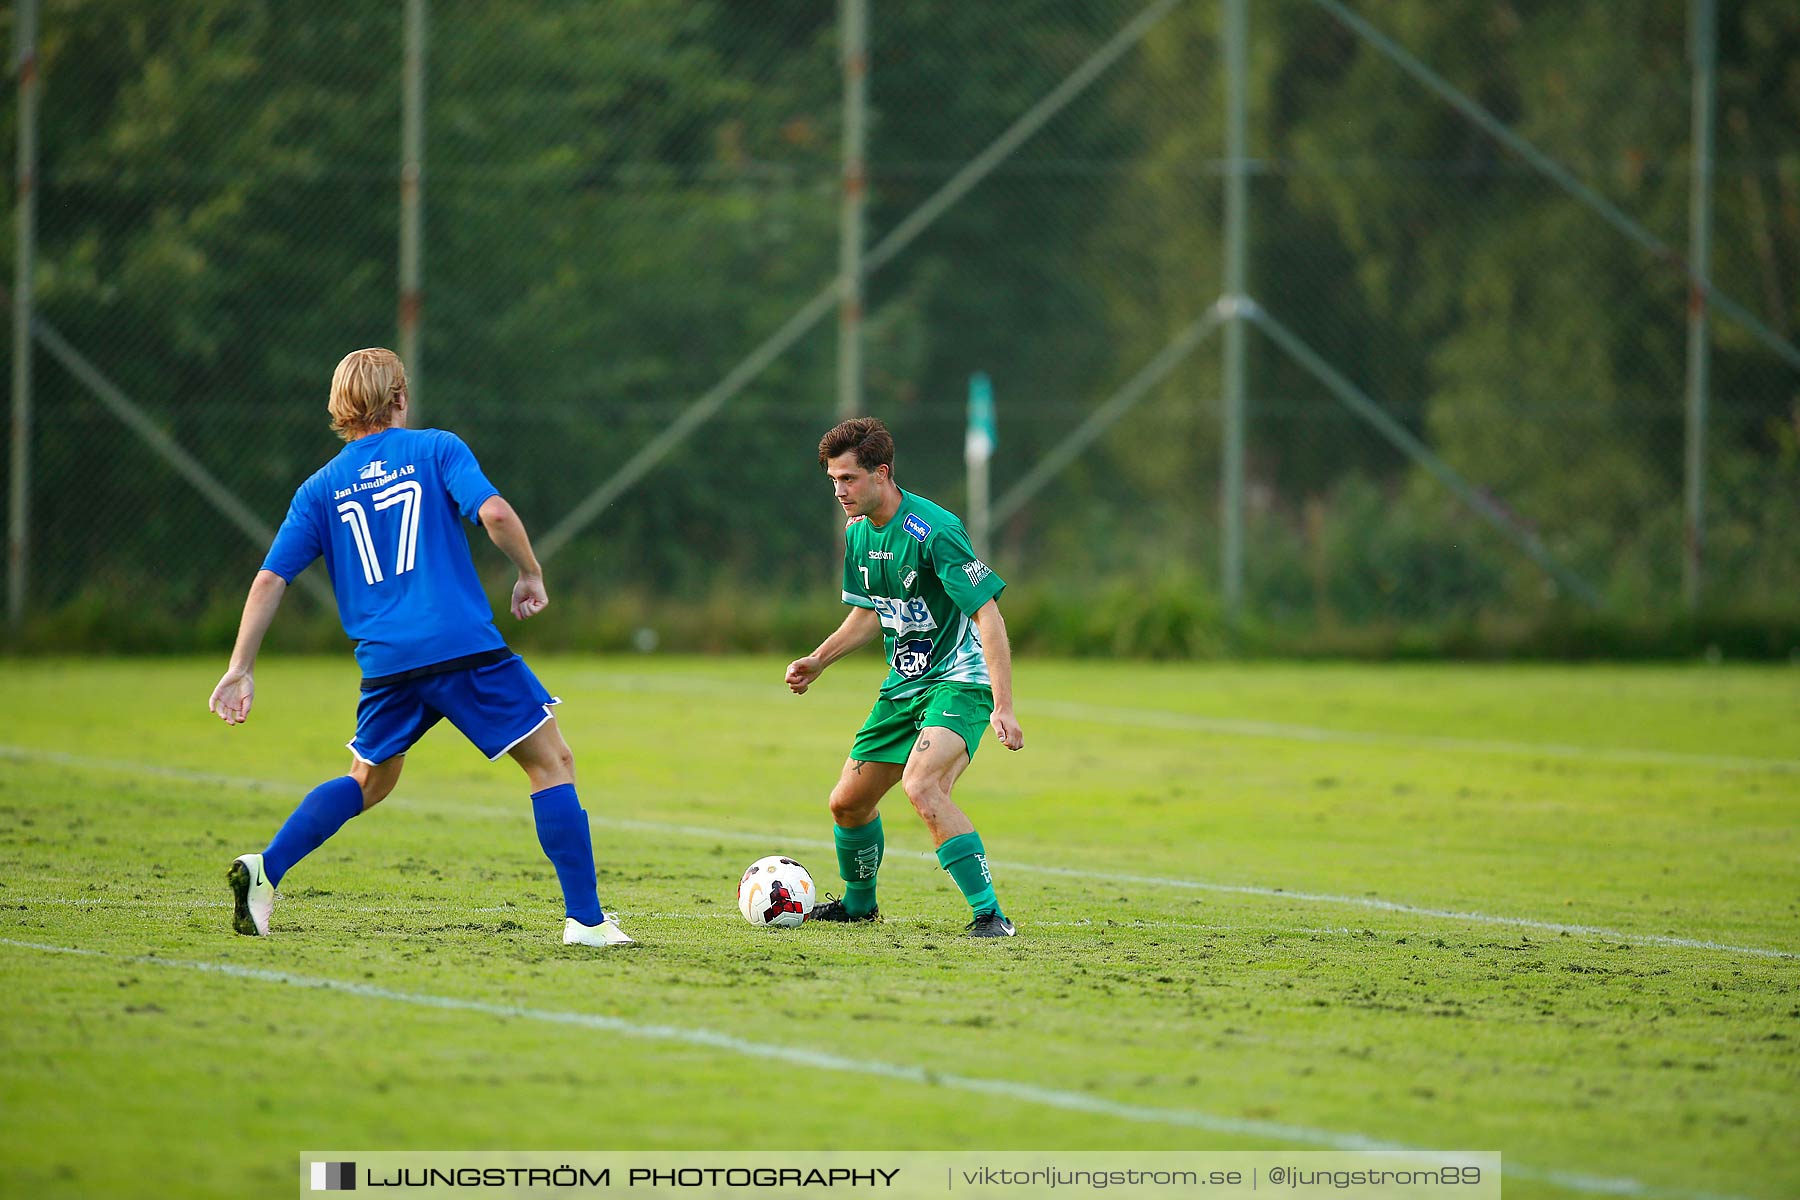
(802, 671)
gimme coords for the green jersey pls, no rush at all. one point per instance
(920, 575)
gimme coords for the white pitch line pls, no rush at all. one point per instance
(179, 774)
(8, 901)
(1119, 877)
(1156, 718)
(1414, 910)
(1112, 878)
(1005, 1089)
(796, 1055)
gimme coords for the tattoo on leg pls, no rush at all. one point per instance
(924, 744)
(856, 764)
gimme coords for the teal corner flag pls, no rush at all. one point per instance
(982, 435)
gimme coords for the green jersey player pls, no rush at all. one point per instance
(910, 572)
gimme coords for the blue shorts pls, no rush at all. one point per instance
(496, 707)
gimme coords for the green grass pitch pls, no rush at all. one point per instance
(1553, 912)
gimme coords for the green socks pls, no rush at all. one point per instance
(966, 860)
(859, 857)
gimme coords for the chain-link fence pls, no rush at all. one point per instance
(1467, 380)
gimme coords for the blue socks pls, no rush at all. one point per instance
(562, 829)
(320, 815)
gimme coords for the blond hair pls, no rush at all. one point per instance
(364, 389)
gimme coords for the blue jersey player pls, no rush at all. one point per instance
(384, 515)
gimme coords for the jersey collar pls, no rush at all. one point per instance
(906, 498)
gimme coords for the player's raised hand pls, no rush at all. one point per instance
(232, 698)
(529, 598)
(1006, 728)
(802, 671)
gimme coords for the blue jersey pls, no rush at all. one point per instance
(383, 513)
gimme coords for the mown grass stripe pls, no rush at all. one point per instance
(764, 838)
(1157, 718)
(1004, 1089)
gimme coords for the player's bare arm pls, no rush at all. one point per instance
(236, 689)
(508, 533)
(861, 625)
(997, 651)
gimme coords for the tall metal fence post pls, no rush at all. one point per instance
(854, 17)
(1548, 167)
(1231, 566)
(819, 307)
(412, 187)
(1699, 349)
(18, 533)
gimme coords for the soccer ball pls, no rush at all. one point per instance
(776, 891)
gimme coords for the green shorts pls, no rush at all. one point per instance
(887, 736)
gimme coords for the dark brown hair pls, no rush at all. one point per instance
(873, 444)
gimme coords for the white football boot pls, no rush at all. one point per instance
(252, 894)
(606, 933)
